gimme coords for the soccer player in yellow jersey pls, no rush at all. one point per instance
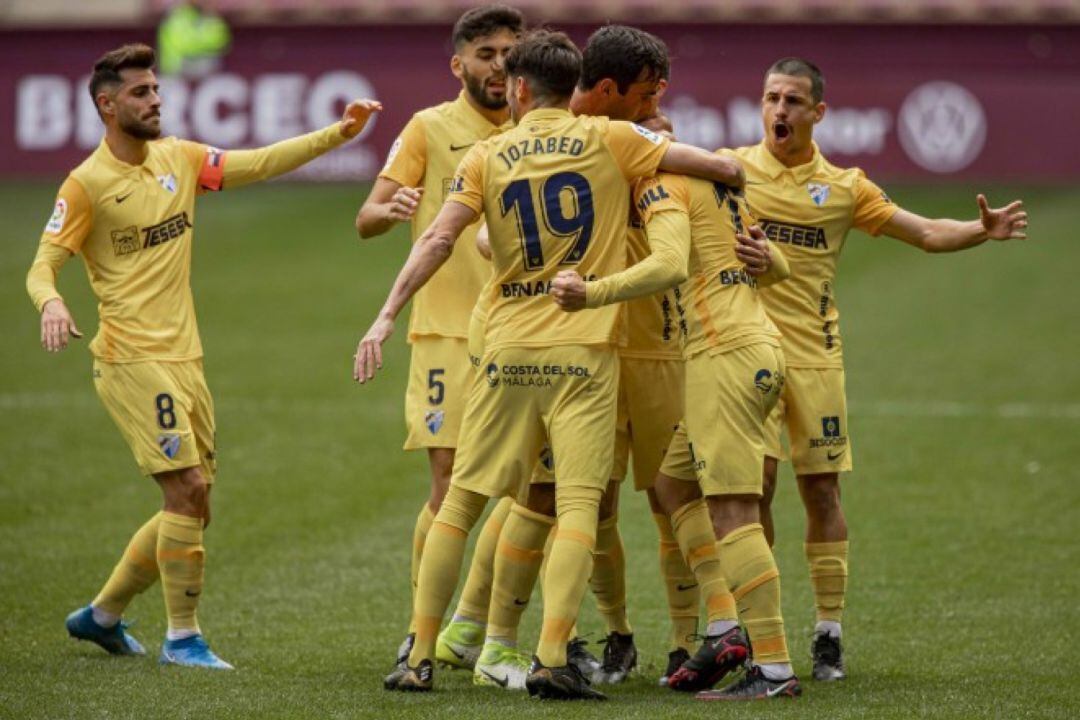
(734, 373)
(624, 72)
(411, 188)
(129, 209)
(808, 206)
(554, 192)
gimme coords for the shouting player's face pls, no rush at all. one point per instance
(135, 104)
(480, 65)
(789, 113)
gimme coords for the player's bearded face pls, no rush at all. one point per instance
(789, 113)
(483, 69)
(138, 106)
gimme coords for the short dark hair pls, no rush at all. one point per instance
(486, 20)
(107, 68)
(798, 67)
(623, 53)
(549, 61)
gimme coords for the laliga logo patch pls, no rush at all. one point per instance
(56, 220)
(648, 134)
(492, 375)
(393, 153)
(434, 420)
(169, 444)
(819, 192)
(168, 182)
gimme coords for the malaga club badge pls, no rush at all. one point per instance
(434, 420)
(169, 444)
(819, 192)
(168, 182)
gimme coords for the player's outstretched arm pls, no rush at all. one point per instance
(242, 167)
(665, 267)
(428, 254)
(946, 235)
(388, 204)
(682, 159)
(57, 325)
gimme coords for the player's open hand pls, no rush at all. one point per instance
(752, 249)
(356, 116)
(568, 291)
(57, 326)
(368, 357)
(1007, 223)
(404, 202)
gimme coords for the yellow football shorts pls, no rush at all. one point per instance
(813, 409)
(729, 396)
(439, 380)
(650, 405)
(528, 397)
(164, 411)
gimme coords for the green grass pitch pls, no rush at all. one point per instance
(965, 414)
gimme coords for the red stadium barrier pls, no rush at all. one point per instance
(906, 102)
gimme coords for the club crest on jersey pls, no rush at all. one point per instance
(56, 220)
(819, 192)
(169, 444)
(434, 420)
(167, 181)
(647, 134)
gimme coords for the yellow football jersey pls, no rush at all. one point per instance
(133, 225)
(555, 192)
(718, 305)
(426, 154)
(808, 210)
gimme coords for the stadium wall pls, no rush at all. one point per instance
(912, 102)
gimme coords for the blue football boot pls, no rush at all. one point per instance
(113, 640)
(191, 652)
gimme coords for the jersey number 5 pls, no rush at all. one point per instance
(576, 224)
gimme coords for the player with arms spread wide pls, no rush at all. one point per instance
(555, 192)
(411, 188)
(809, 205)
(129, 209)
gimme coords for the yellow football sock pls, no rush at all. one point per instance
(136, 571)
(697, 543)
(828, 575)
(683, 591)
(476, 595)
(517, 564)
(568, 569)
(748, 564)
(420, 532)
(440, 566)
(608, 580)
(181, 559)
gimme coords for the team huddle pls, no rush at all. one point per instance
(587, 293)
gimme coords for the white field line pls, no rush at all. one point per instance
(876, 408)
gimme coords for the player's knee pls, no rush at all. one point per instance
(730, 512)
(186, 492)
(541, 499)
(821, 495)
(672, 494)
(609, 501)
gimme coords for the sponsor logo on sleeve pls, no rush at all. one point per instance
(647, 134)
(56, 220)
